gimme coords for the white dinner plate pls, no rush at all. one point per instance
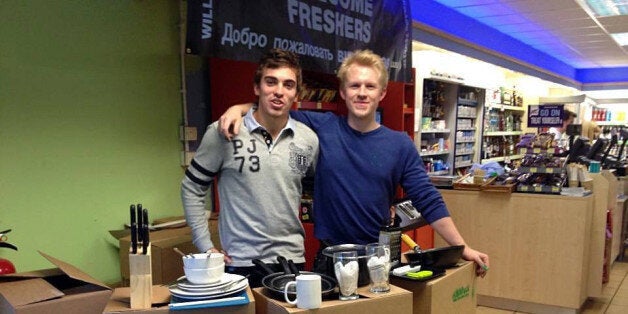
(226, 278)
(211, 293)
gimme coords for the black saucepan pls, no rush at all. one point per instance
(443, 257)
(275, 282)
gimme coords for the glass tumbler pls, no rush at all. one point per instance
(346, 269)
(378, 263)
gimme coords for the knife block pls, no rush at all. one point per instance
(141, 280)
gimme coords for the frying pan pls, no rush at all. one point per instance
(275, 282)
(443, 257)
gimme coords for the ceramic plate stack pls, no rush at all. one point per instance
(228, 285)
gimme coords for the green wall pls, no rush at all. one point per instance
(89, 114)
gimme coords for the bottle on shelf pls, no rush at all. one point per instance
(517, 126)
(494, 121)
(501, 125)
(509, 122)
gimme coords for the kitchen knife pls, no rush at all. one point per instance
(133, 231)
(146, 236)
(140, 223)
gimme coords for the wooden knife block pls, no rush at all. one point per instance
(141, 280)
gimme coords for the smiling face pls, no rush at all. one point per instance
(362, 92)
(277, 91)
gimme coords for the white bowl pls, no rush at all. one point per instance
(203, 260)
(204, 275)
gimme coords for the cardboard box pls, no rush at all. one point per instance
(65, 289)
(455, 292)
(119, 303)
(397, 300)
(166, 264)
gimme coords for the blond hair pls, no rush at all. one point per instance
(364, 58)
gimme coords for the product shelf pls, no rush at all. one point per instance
(436, 153)
(435, 131)
(503, 133)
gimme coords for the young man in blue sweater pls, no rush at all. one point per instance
(361, 163)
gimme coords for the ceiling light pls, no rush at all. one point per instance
(621, 38)
(608, 7)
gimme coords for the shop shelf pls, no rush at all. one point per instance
(501, 158)
(542, 169)
(502, 133)
(436, 153)
(544, 189)
(464, 153)
(435, 131)
(467, 102)
(505, 107)
(438, 173)
(464, 164)
(536, 150)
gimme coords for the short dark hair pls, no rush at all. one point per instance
(569, 114)
(278, 58)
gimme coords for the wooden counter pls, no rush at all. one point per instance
(539, 246)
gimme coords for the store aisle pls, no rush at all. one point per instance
(613, 301)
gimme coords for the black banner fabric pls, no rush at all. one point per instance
(545, 116)
(321, 32)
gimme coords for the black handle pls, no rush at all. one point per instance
(284, 264)
(140, 223)
(8, 245)
(133, 238)
(262, 266)
(293, 268)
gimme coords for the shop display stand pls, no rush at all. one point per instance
(465, 133)
(141, 279)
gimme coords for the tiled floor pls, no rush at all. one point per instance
(613, 301)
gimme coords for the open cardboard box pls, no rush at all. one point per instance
(166, 264)
(120, 303)
(455, 292)
(397, 300)
(65, 289)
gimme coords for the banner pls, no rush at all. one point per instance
(321, 32)
(545, 116)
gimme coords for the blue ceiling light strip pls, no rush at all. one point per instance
(603, 75)
(442, 18)
(450, 21)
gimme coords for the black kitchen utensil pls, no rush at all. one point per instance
(328, 284)
(293, 268)
(140, 222)
(133, 230)
(145, 231)
(443, 257)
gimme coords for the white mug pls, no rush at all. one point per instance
(308, 291)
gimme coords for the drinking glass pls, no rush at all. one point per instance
(378, 263)
(346, 269)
